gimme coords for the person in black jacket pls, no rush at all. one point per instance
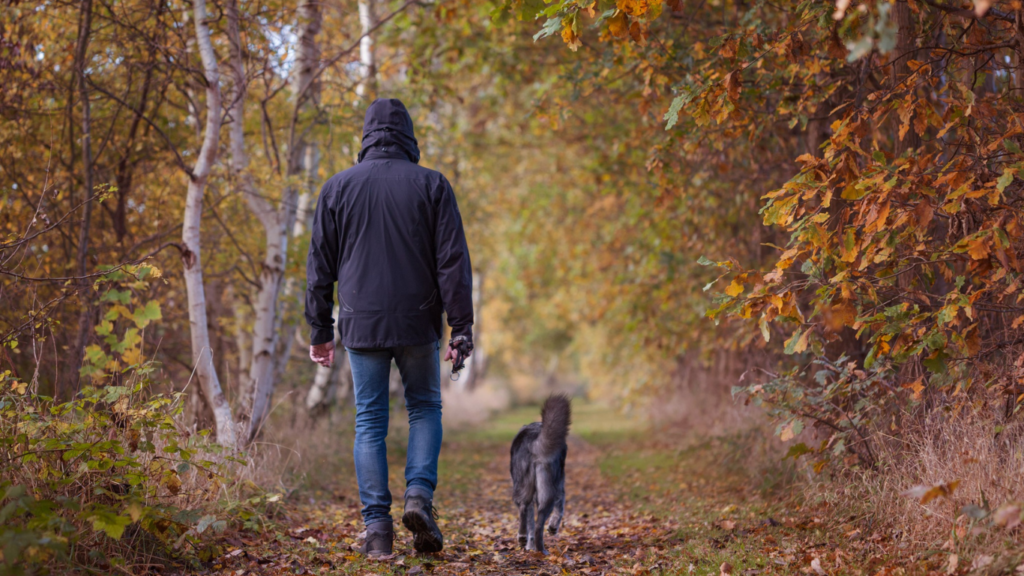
(389, 233)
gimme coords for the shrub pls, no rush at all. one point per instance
(110, 479)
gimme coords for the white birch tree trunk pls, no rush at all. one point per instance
(202, 354)
(272, 270)
(243, 341)
(303, 219)
(367, 54)
(277, 226)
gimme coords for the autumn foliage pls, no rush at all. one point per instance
(883, 142)
(825, 198)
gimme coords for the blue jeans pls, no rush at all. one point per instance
(420, 367)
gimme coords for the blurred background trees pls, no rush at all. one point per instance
(820, 197)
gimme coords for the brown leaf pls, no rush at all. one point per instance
(1008, 515)
(929, 493)
(725, 569)
(733, 83)
(173, 483)
(638, 33)
(952, 564)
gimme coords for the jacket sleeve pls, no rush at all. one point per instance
(322, 270)
(454, 271)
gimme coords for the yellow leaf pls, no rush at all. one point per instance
(917, 386)
(978, 248)
(617, 25)
(734, 289)
(633, 7)
(570, 38)
(788, 433)
(801, 344)
(133, 356)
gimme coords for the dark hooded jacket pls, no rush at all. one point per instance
(389, 232)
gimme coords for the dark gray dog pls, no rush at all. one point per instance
(538, 472)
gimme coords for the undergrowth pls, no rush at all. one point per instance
(112, 481)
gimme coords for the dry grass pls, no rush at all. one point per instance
(983, 454)
(978, 448)
(699, 397)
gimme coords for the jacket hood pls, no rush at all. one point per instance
(388, 130)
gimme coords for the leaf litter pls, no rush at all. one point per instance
(688, 516)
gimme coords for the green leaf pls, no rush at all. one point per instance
(205, 523)
(672, 116)
(859, 48)
(1011, 147)
(1006, 179)
(937, 363)
(869, 361)
(552, 26)
(797, 450)
(143, 316)
(114, 295)
(791, 343)
(109, 523)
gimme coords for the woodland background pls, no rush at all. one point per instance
(801, 217)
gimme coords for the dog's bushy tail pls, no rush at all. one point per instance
(555, 417)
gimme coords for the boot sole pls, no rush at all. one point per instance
(426, 538)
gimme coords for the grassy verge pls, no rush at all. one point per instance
(642, 501)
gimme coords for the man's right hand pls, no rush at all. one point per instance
(322, 354)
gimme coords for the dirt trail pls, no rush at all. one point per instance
(638, 503)
(601, 533)
(599, 530)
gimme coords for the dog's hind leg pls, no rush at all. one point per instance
(546, 494)
(526, 524)
(556, 517)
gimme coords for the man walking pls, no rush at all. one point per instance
(390, 234)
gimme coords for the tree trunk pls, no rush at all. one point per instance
(267, 324)
(243, 341)
(202, 354)
(1018, 77)
(476, 365)
(367, 55)
(906, 38)
(303, 219)
(85, 314)
(263, 333)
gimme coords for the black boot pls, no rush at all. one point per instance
(380, 538)
(419, 519)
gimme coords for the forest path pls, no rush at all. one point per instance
(640, 501)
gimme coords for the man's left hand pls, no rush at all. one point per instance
(322, 354)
